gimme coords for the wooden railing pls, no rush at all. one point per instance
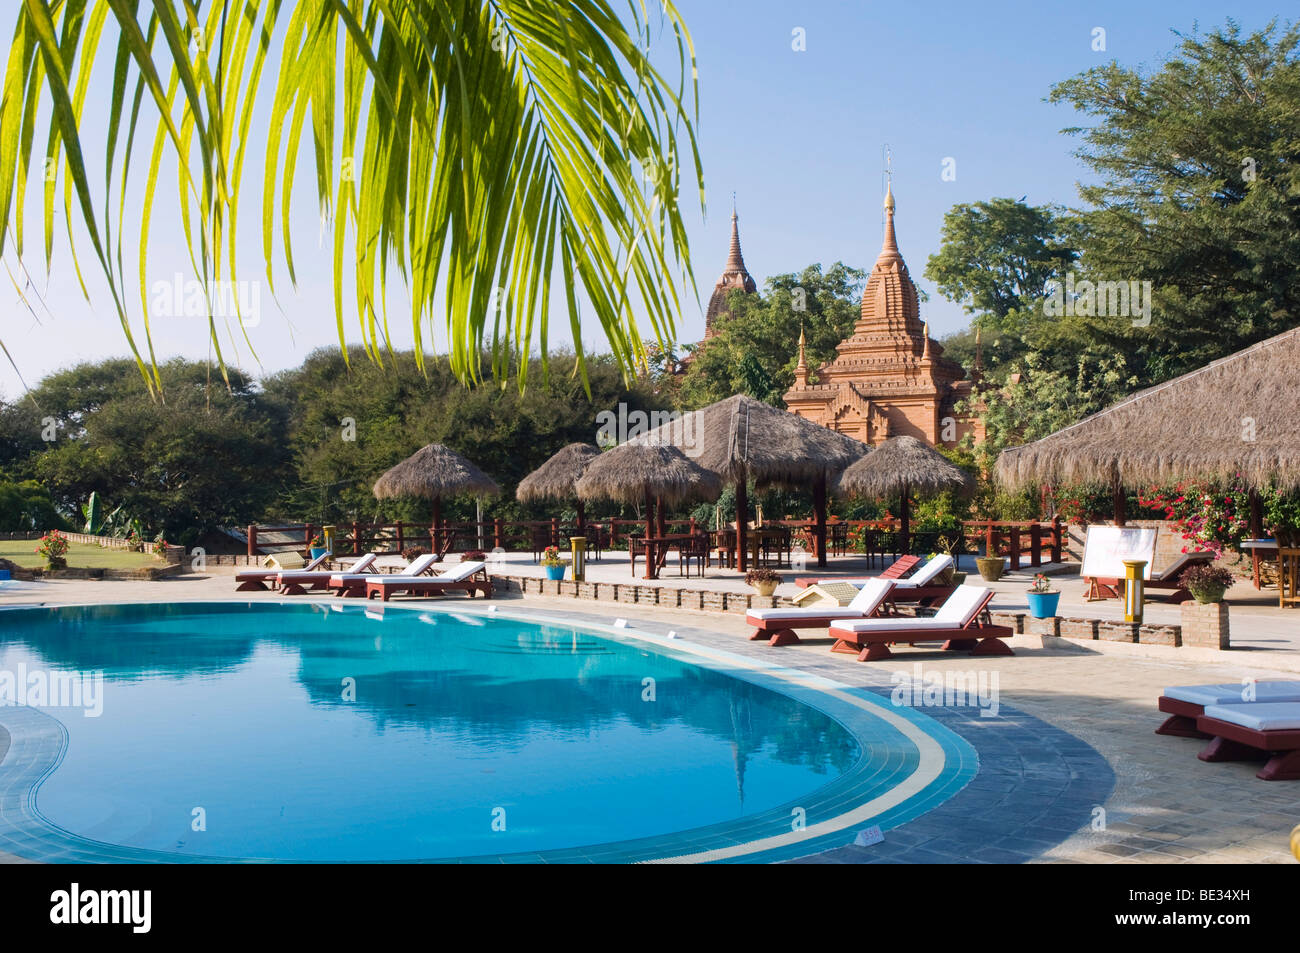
(1039, 541)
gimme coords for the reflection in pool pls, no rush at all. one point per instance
(303, 732)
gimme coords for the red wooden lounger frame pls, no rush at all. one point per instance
(779, 632)
(1231, 742)
(899, 568)
(976, 637)
(254, 580)
(1181, 722)
(479, 582)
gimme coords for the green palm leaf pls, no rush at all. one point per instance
(480, 149)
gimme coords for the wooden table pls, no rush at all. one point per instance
(1261, 550)
(656, 551)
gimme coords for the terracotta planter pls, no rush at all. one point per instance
(958, 579)
(990, 567)
(765, 588)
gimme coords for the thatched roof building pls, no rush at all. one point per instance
(632, 472)
(741, 439)
(1236, 415)
(556, 478)
(902, 465)
(434, 472)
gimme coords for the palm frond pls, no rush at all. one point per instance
(480, 149)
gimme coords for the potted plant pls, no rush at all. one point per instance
(990, 567)
(552, 563)
(160, 547)
(764, 581)
(317, 546)
(54, 550)
(1206, 583)
(1043, 599)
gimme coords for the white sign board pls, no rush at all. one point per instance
(1107, 547)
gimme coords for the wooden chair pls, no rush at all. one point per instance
(541, 538)
(839, 541)
(697, 548)
(1288, 577)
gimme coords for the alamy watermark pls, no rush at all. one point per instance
(614, 427)
(948, 689)
(1117, 299)
(183, 297)
(38, 688)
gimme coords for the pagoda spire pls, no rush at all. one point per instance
(890, 243)
(735, 261)
(801, 371)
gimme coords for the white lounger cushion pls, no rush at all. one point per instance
(1261, 716)
(959, 609)
(866, 602)
(1230, 693)
(357, 566)
(1175, 568)
(894, 624)
(926, 574)
(462, 572)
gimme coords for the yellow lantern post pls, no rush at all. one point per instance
(578, 544)
(327, 534)
(1134, 590)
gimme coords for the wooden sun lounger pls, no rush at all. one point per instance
(297, 583)
(255, 580)
(778, 625)
(897, 570)
(352, 585)
(1166, 579)
(468, 577)
(957, 622)
(1252, 730)
(1184, 704)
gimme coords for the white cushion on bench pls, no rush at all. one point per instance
(1261, 716)
(1230, 693)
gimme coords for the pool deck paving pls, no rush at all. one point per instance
(1070, 769)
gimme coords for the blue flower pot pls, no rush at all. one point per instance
(1042, 605)
(554, 572)
(318, 551)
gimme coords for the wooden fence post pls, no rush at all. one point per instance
(252, 541)
(1014, 546)
(1035, 544)
(356, 538)
(1056, 539)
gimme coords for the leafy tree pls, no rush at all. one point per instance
(398, 409)
(469, 145)
(1197, 190)
(756, 349)
(207, 457)
(26, 506)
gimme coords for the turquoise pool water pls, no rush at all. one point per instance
(308, 732)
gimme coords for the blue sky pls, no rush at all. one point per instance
(798, 135)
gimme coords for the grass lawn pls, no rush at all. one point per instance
(80, 556)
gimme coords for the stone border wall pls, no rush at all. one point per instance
(1206, 626)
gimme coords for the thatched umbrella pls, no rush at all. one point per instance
(557, 478)
(1233, 416)
(431, 473)
(902, 465)
(632, 472)
(741, 438)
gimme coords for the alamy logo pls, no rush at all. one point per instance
(948, 689)
(96, 907)
(620, 426)
(1116, 299)
(37, 688)
(187, 298)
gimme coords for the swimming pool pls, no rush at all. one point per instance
(333, 732)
